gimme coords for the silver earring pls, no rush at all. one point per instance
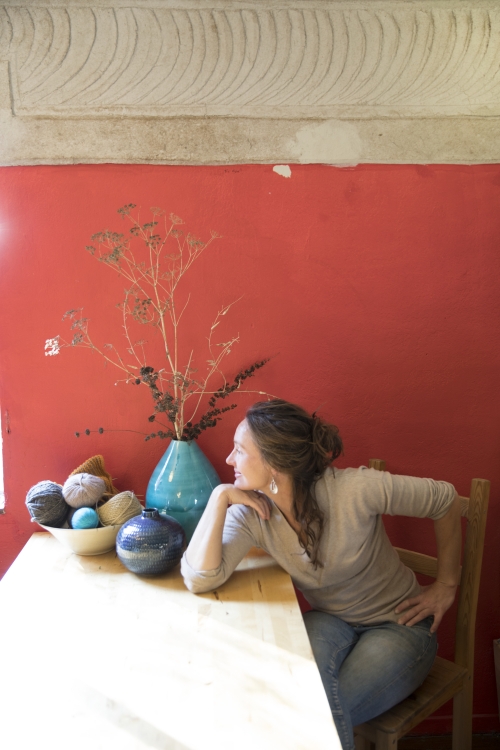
(273, 487)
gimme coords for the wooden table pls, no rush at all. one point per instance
(96, 658)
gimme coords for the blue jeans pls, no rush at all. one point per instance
(367, 669)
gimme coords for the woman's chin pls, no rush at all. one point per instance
(242, 484)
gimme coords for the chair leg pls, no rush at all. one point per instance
(361, 743)
(462, 718)
(383, 741)
(386, 741)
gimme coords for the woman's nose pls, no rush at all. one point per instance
(230, 459)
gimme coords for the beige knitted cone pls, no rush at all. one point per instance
(95, 466)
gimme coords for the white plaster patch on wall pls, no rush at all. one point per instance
(335, 142)
(283, 169)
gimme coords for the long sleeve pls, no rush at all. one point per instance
(241, 533)
(395, 495)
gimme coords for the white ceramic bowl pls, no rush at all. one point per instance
(86, 541)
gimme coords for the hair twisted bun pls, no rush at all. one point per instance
(326, 442)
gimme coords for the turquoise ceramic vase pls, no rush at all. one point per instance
(181, 484)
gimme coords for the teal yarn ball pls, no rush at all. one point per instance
(46, 504)
(85, 518)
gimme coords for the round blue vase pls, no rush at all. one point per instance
(150, 544)
(182, 483)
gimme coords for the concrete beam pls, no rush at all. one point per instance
(184, 82)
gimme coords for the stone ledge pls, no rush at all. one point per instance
(241, 141)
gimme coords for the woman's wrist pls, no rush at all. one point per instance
(219, 495)
(445, 583)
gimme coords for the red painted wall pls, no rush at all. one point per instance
(375, 287)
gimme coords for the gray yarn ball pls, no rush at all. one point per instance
(46, 504)
(83, 490)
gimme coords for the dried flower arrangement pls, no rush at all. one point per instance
(153, 265)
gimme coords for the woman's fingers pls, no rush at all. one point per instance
(405, 606)
(422, 614)
(410, 612)
(253, 499)
(261, 505)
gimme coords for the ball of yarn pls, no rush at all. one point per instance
(95, 466)
(46, 505)
(119, 508)
(84, 518)
(83, 490)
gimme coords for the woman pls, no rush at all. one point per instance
(372, 627)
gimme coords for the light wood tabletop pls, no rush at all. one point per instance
(94, 657)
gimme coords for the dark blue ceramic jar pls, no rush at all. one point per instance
(150, 544)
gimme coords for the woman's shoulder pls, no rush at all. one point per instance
(357, 482)
(352, 475)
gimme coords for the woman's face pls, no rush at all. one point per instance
(250, 470)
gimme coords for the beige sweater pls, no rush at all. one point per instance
(362, 580)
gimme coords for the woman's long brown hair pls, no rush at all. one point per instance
(300, 445)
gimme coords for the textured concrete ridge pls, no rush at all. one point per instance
(334, 82)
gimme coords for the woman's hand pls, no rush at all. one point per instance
(433, 600)
(256, 500)
(437, 598)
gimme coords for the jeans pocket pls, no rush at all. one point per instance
(425, 624)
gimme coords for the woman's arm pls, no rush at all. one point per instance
(205, 548)
(437, 598)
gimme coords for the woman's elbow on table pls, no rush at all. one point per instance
(198, 586)
(201, 582)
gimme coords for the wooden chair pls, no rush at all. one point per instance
(447, 679)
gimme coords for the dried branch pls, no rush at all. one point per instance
(153, 261)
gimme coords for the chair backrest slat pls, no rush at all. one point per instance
(474, 509)
(471, 573)
(418, 562)
(464, 506)
(376, 463)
